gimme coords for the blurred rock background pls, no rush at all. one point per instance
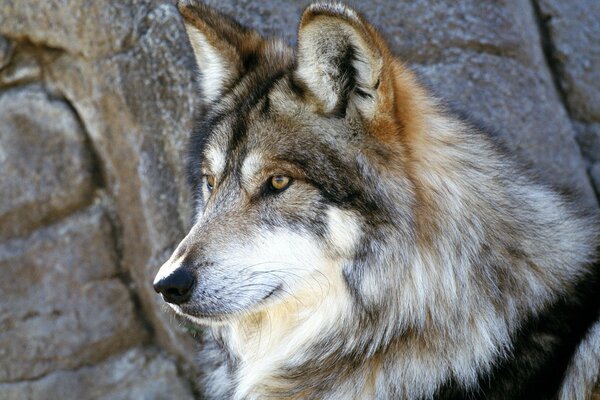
(96, 102)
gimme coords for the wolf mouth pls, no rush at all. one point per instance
(193, 311)
(196, 315)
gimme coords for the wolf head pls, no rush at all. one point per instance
(290, 162)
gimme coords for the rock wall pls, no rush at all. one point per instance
(96, 103)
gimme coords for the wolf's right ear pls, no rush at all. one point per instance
(222, 47)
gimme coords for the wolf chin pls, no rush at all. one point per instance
(355, 240)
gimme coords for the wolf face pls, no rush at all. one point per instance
(353, 239)
(284, 173)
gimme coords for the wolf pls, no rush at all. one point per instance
(354, 239)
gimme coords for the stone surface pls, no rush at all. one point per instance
(24, 67)
(573, 37)
(137, 106)
(63, 304)
(6, 49)
(588, 137)
(80, 27)
(574, 30)
(137, 374)
(46, 167)
(595, 174)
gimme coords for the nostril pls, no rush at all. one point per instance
(176, 292)
(177, 287)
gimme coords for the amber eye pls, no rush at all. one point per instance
(210, 182)
(280, 182)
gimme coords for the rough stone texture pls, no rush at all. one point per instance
(62, 302)
(574, 30)
(44, 161)
(136, 374)
(96, 102)
(6, 49)
(137, 106)
(588, 136)
(595, 175)
(125, 71)
(24, 67)
(81, 27)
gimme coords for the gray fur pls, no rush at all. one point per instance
(400, 268)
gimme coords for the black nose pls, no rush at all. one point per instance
(177, 287)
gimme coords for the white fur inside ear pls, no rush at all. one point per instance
(215, 70)
(321, 45)
(313, 72)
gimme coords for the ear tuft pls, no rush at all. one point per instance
(221, 46)
(339, 58)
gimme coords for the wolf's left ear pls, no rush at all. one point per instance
(340, 59)
(222, 47)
